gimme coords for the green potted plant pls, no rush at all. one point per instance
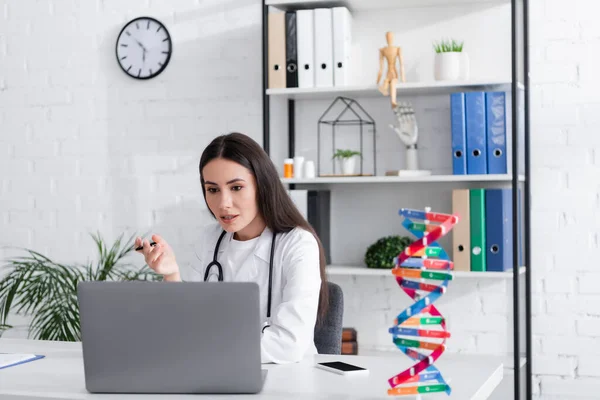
(450, 61)
(381, 253)
(46, 290)
(347, 160)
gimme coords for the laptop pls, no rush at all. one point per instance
(171, 337)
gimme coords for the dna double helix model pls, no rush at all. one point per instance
(424, 260)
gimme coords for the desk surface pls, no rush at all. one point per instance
(60, 376)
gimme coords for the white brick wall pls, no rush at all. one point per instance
(83, 147)
(565, 110)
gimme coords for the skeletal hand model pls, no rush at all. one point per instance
(407, 128)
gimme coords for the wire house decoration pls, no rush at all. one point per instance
(351, 114)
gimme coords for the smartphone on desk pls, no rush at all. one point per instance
(342, 368)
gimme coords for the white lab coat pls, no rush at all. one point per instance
(295, 288)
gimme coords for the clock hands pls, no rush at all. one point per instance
(141, 45)
(143, 49)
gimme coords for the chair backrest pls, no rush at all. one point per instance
(328, 335)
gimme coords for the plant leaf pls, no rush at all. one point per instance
(143, 274)
(112, 257)
(58, 319)
(47, 290)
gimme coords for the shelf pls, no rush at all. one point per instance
(405, 179)
(509, 363)
(414, 88)
(364, 271)
(372, 4)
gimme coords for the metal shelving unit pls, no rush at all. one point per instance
(522, 351)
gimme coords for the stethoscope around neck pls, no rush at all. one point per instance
(216, 263)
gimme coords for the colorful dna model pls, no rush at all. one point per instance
(423, 260)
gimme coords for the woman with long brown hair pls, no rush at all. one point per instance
(261, 237)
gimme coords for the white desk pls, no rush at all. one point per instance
(60, 376)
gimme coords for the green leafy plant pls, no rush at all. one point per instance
(46, 290)
(448, 46)
(340, 153)
(381, 253)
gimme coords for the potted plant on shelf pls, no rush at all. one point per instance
(451, 63)
(347, 160)
(381, 253)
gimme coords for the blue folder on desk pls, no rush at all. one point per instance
(18, 360)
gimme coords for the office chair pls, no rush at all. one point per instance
(328, 335)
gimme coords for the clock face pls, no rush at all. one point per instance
(143, 48)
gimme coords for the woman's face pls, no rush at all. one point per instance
(231, 195)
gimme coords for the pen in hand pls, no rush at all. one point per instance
(140, 247)
(159, 256)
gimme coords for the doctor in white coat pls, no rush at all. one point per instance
(261, 237)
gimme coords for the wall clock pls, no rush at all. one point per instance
(143, 48)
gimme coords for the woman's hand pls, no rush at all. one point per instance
(159, 257)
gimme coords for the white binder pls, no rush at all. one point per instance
(342, 45)
(305, 22)
(323, 47)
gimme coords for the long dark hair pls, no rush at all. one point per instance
(275, 205)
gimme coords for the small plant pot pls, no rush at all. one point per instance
(447, 66)
(347, 165)
(465, 66)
